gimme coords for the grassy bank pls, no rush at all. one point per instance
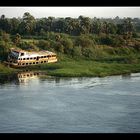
(69, 67)
(7, 70)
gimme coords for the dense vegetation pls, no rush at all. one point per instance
(84, 46)
(28, 25)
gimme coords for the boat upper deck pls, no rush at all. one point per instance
(22, 53)
(39, 53)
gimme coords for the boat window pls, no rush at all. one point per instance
(37, 57)
(36, 62)
(22, 54)
(45, 56)
(24, 58)
(44, 61)
(23, 63)
(33, 62)
(19, 59)
(27, 58)
(26, 63)
(41, 61)
(31, 58)
(30, 63)
(34, 57)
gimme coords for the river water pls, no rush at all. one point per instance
(41, 104)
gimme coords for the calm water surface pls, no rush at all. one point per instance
(64, 105)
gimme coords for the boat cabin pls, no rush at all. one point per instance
(22, 58)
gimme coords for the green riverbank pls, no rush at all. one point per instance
(68, 67)
(7, 70)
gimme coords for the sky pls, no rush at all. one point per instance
(74, 12)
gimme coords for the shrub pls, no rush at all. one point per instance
(16, 39)
(84, 41)
(77, 51)
(4, 50)
(68, 45)
(5, 37)
(131, 60)
(43, 44)
(88, 52)
(59, 47)
(30, 46)
(115, 41)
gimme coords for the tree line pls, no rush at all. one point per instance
(29, 25)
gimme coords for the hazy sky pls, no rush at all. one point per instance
(38, 12)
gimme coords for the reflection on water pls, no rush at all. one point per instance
(20, 78)
(127, 76)
(26, 76)
(34, 102)
(130, 75)
(23, 77)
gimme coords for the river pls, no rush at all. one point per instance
(43, 104)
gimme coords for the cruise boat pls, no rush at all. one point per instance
(21, 58)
